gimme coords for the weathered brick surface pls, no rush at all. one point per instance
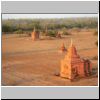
(72, 65)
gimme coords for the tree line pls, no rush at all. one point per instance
(12, 25)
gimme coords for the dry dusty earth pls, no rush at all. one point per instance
(37, 63)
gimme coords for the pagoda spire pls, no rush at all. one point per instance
(63, 47)
(71, 41)
(71, 50)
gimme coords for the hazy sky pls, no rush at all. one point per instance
(16, 16)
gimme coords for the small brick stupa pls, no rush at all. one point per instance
(63, 48)
(72, 65)
(35, 35)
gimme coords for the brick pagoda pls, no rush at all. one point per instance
(72, 65)
(63, 48)
(35, 34)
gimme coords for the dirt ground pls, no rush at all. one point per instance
(37, 63)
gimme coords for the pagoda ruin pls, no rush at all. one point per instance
(35, 35)
(72, 65)
(63, 48)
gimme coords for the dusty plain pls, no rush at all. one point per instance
(37, 63)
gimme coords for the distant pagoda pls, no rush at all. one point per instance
(72, 65)
(35, 34)
(63, 48)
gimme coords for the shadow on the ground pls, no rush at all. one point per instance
(94, 74)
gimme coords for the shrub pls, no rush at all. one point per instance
(95, 58)
(6, 28)
(66, 33)
(51, 33)
(19, 32)
(29, 34)
(96, 43)
(76, 29)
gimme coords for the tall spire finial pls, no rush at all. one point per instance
(71, 42)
